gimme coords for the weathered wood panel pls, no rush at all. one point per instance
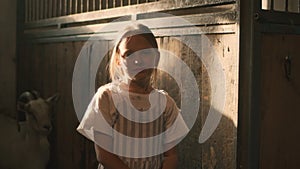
(52, 68)
(64, 7)
(48, 68)
(8, 67)
(280, 95)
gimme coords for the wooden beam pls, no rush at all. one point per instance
(278, 17)
(219, 29)
(116, 12)
(153, 23)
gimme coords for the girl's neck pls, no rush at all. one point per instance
(142, 88)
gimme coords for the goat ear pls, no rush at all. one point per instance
(53, 99)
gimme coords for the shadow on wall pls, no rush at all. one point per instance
(218, 152)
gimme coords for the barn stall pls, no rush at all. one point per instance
(52, 33)
(56, 31)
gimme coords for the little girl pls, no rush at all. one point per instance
(133, 125)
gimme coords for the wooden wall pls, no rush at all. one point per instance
(48, 68)
(280, 95)
(51, 47)
(8, 17)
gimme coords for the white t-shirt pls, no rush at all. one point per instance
(140, 126)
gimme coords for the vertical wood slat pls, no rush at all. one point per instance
(33, 10)
(26, 10)
(37, 6)
(97, 4)
(29, 10)
(272, 5)
(84, 5)
(79, 6)
(293, 6)
(133, 2)
(58, 8)
(110, 4)
(68, 7)
(74, 6)
(100, 4)
(91, 5)
(46, 8)
(41, 9)
(279, 5)
(54, 8)
(118, 3)
(64, 7)
(49, 15)
(125, 2)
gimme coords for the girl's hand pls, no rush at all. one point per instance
(170, 159)
(108, 159)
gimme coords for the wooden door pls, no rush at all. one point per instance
(280, 102)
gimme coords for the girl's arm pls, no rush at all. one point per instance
(108, 159)
(170, 159)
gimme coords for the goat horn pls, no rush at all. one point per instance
(27, 96)
(35, 94)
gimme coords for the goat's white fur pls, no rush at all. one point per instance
(27, 148)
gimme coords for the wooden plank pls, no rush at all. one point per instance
(166, 32)
(74, 6)
(50, 9)
(79, 6)
(125, 2)
(279, 5)
(54, 8)
(46, 8)
(26, 11)
(294, 6)
(112, 13)
(58, 8)
(279, 102)
(42, 10)
(51, 60)
(37, 9)
(189, 149)
(71, 125)
(85, 5)
(279, 28)
(132, 2)
(167, 22)
(62, 126)
(118, 3)
(29, 10)
(108, 2)
(102, 4)
(63, 7)
(79, 141)
(97, 4)
(33, 10)
(92, 5)
(279, 17)
(69, 7)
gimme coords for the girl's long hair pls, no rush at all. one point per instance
(115, 71)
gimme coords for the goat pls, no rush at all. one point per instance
(24, 144)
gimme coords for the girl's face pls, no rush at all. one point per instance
(138, 57)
